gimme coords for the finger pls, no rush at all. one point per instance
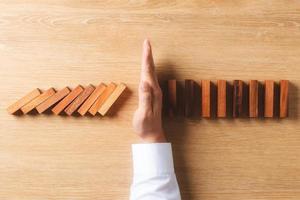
(148, 68)
(157, 101)
(145, 96)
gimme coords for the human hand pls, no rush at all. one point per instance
(147, 118)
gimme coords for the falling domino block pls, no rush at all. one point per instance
(269, 98)
(237, 98)
(102, 98)
(23, 101)
(91, 100)
(53, 100)
(38, 100)
(284, 91)
(172, 97)
(222, 87)
(189, 96)
(206, 104)
(253, 98)
(112, 99)
(79, 100)
(67, 100)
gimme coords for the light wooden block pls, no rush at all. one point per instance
(53, 100)
(269, 98)
(102, 98)
(237, 98)
(221, 106)
(79, 100)
(112, 98)
(67, 100)
(206, 104)
(38, 100)
(284, 100)
(91, 100)
(253, 98)
(23, 101)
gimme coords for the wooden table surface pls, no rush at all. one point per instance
(61, 43)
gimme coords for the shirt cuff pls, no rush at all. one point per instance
(152, 159)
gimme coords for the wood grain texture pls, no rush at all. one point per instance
(237, 98)
(102, 98)
(206, 98)
(38, 100)
(269, 98)
(222, 103)
(91, 100)
(70, 109)
(112, 98)
(13, 108)
(253, 98)
(284, 98)
(57, 43)
(53, 100)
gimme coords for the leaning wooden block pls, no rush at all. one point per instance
(189, 96)
(102, 98)
(91, 100)
(206, 109)
(112, 99)
(172, 97)
(284, 101)
(253, 98)
(38, 100)
(222, 87)
(53, 100)
(79, 100)
(23, 101)
(269, 98)
(67, 100)
(237, 98)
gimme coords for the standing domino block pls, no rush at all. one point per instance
(38, 100)
(112, 98)
(237, 98)
(67, 100)
(79, 100)
(269, 98)
(23, 101)
(172, 97)
(253, 98)
(284, 101)
(222, 86)
(102, 98)
(189, 95)
(91, 100)
(206, 106)
(53, 100)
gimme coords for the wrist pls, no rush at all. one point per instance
(154, 138)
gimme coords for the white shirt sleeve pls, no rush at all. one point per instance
(153, 173)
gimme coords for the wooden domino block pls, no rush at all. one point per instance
(53, 100)
(206, 97)
(253, 98)
(23, 101)
(112, 98)
(79, 100)
(102, 98)
(91, 100)
(38, 100)
(284, 93)
(269, 98)
(221, 108)
(67, 100)
(172, 97)
(237, 98)
(189, 96)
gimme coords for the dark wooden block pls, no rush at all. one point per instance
(237, 98)
(253, 98)
(269, 98)
(284, 93)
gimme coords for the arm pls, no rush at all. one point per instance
(153, 170)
